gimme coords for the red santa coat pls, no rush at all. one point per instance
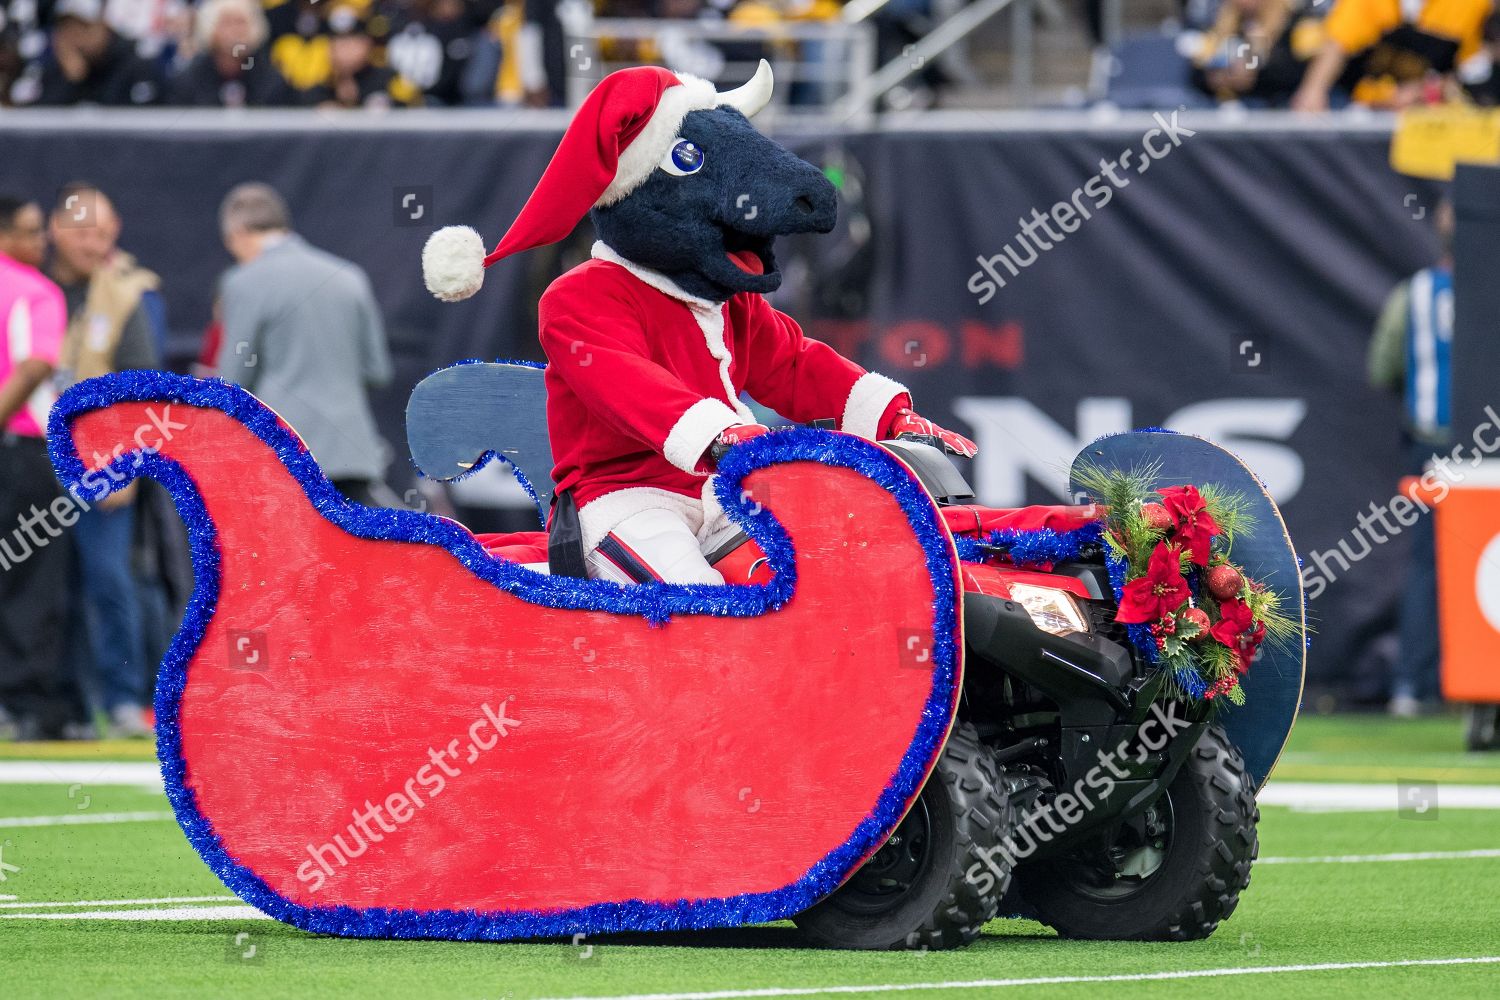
(642, 377)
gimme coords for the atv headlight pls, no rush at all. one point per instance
(1052, 610)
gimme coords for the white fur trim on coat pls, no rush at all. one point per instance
(654, 141)
(603, 251)
(603, 514)
(695, 430)
(866, 404)
(707, 314)
(712, 325)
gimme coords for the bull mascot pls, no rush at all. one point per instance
(652, 343)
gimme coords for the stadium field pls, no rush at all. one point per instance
(1379, 875)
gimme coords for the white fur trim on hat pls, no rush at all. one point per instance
(695, 430)
(654, 140)
(866, 404)
(453, 263)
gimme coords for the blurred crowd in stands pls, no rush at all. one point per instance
(1309, 55)
(1312, 55)
(334, 53)
(280, 53)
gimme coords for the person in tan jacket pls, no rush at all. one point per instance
(108, 330)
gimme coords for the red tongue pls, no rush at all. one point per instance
(747, 261)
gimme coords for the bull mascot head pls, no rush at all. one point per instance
(676, 180)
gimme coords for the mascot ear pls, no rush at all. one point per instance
(751, 96)
(453, 263)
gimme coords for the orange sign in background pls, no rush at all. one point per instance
(1468, 565)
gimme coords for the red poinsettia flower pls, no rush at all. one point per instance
(1195, 527)
(1238, 629)
(1157, 594)
(1235, 619)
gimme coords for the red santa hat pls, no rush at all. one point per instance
(624, 129)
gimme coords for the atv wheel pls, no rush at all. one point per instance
(1481, 727)
(914, 892)
(1172, 873)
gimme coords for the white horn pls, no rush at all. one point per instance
(750, 97)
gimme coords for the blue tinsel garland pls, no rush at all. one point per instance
(655, 602)
(1037, 547)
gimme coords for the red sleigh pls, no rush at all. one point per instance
(372, 725)
(680, 756)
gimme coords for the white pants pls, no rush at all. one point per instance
(664, 543)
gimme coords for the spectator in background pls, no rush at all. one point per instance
(13, 35)
(432, 41)
(23, 233)
(518, 59)
(109, 330)
(1256, 51)
(156, 27)
(303, 332)
(1481, 73)
(1409, 355)
(1392, 53)
(34, 566)
(88, 64)
(299, 42)
(233, 68)
(354, 81)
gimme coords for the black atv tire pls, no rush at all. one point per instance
(961, 814)
(1481, 728)
(1211, 817)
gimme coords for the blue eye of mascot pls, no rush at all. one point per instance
(652, 343)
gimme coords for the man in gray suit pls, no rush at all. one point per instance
(303, 332)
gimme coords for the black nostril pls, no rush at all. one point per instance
(805, 204)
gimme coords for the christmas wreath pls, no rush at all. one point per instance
(1181, 595)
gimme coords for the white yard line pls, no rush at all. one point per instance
(984, 984)
(83, 818)
(69, 772)
(1317, 796)
(180, 913)
(1356, 859)
(26, 905)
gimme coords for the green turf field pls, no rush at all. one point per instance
(109, 900)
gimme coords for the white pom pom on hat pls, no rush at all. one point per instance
(612, 145)
(453, 263)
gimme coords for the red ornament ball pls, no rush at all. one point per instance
(1156, 516)
(1198, 617)
(1224, 581)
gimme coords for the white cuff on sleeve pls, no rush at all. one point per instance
(871, 394)
(695, 430)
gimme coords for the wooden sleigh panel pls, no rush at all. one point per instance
(531, 755)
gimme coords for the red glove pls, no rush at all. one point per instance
(731, 436)
(907, 422)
